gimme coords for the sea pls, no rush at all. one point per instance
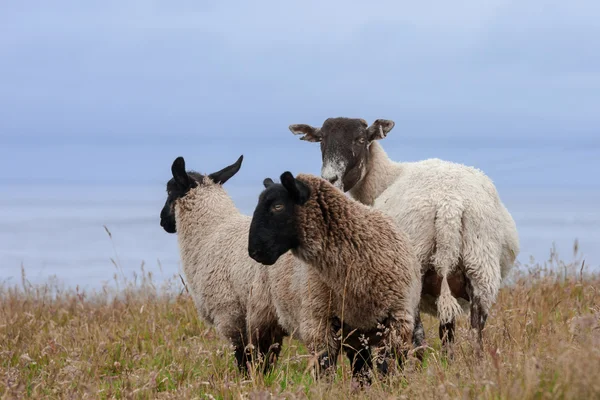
(81, 232)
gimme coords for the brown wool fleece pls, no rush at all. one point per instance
(358, 252)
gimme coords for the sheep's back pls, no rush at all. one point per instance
(426, 187)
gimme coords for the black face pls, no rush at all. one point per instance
(344, 147)
(176, 191)
(183, 181)
(273, 230)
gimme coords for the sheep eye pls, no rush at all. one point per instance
(360, 140)
(277, 208)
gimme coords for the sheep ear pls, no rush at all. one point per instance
(299, 191)
(223, 175)
(268, 182)
(380, 129)
(311, 134)
(181, 177)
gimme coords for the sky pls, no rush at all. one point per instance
(82, 79)
(107, 93)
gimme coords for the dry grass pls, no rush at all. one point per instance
(541, 341)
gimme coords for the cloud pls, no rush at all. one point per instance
(141, 68)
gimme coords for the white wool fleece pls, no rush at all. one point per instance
(213, 243)
(451, 212)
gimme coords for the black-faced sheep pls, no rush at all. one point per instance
(293, 289)
(356, 256)
(213, 236)
(246, 302)
(464, 237)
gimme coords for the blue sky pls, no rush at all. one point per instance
(88, 87)
(95, 93)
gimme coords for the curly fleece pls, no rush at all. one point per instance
(213, 237)
(366, 262)
(453, 214)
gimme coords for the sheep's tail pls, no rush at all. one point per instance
(447, 306)
(448, 240)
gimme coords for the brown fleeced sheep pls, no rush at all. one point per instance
(353, 252)
(245, 302)
(293, 288)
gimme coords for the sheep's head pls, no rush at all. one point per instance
(344, 147)
(273, 230)
(183, 181)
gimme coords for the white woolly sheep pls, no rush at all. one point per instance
(212, 236)
(463, 235)
(356, 256)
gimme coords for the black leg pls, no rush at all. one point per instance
(383, 363)
(325, 348)
(478, 316)
(327, 363)
(418, 335)
(270, 347)
(478, 320)
(327, 360)
(446, 332)
(361, 363)
(387, 355)
(241, 358)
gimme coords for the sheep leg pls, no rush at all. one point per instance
(266, 335)
(269, 347)
(242, 354)
(418, 337)
(357, 347)
(481, 259)
(326, 360)
(319, 325)
(400, 336)
(320, 338)
(328, 357)
(446, 333)
(382, 360)
(361, 362)
(478, 316)
(234, 328)
(241, 357)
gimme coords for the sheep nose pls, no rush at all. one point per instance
(333, 180)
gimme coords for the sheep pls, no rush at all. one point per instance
(212, 236)
(464, 236)
(363, 269)
(230, 290)
(243, 300)
(288, 287)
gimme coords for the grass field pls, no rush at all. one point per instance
(542, 341)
